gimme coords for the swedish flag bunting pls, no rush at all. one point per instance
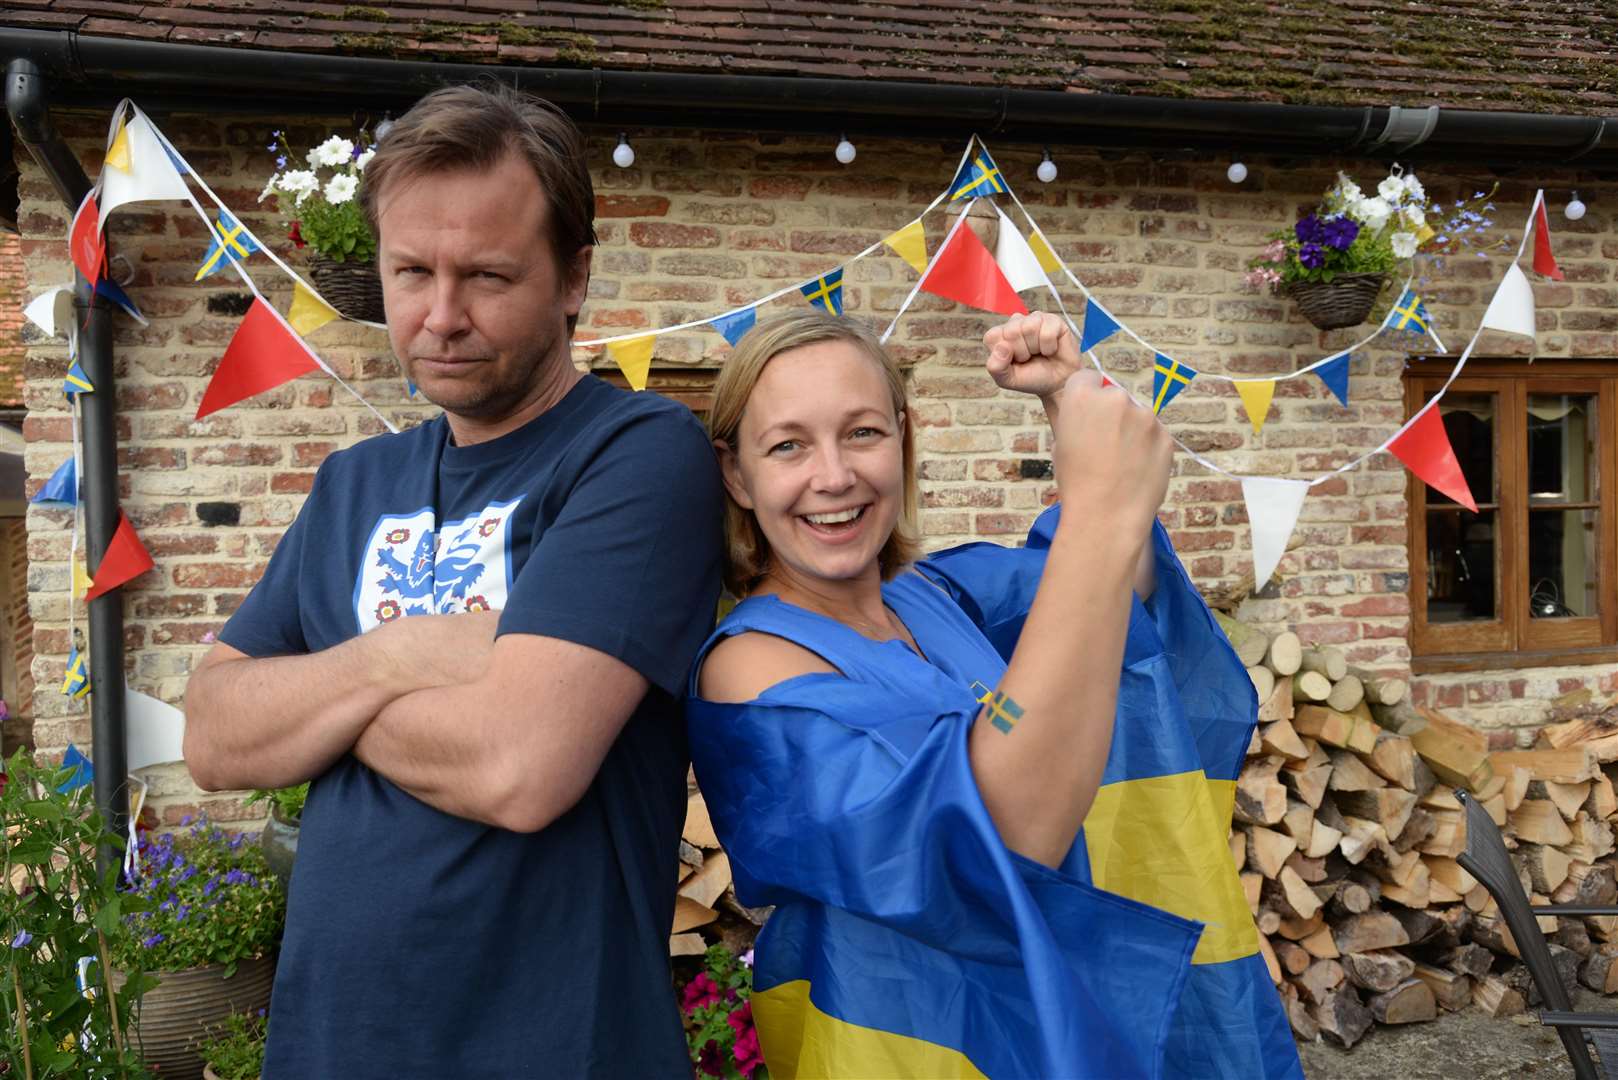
(76, 381)
(1169, 377)
(826, 292)
(979, 176)
(77, 682)
(227, 231)
(1410, 314)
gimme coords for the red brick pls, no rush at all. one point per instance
(664, 234)
(624, 206)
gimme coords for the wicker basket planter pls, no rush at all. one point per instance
(1344, 301)
(176, 1013)
(353, 288)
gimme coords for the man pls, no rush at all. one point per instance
(472, 640)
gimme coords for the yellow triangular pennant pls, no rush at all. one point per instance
(634, 358)
(118, 152)
(308, 312)
(81, 580)
(1256, 395)
(910, 244)
(1048, 261)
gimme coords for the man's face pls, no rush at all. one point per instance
(477, 308)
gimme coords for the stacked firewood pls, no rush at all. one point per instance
(1346, 833)
(706, 902)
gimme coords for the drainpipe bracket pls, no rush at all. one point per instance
(1407, 128)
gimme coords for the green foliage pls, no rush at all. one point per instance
(288, 800)
(325, 197)
(235, 1048)
(55, 908)
(207, 898)
(338, 232)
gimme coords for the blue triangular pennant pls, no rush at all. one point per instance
(1169, 377)
(1334, 373)
(76, 381)
(83, 772)
(736, 324)
(826, 292)
(1098, 326)
(978, 176)
(410, 388)
(62, 488)
(110, 289)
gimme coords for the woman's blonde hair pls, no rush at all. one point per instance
(747, 552)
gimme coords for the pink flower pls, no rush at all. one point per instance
(708, 1061)
(699, 992)
(741, 1018)
(748, 1054)
(1275, 251)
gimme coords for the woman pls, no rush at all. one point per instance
(900, 757)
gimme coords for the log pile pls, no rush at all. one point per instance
(1347, 828)
(706, 900)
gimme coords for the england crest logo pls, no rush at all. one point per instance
(412, 567)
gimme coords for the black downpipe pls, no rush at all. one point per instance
(28, 107)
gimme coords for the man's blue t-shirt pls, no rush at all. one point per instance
(424, 945)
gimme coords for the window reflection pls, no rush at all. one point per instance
(1563, 487)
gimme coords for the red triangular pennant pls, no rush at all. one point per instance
(263, 354)
(1424, 448)
(965, 271)
(84, 244)
(1544, 261)
(126, 559)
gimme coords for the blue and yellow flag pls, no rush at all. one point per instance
(826, 292)
(1169, 377)
(1410, 314)
(907, 940)
(81, 771)
(979, 176)
(77, 682)
(227, 232)
(76, 381)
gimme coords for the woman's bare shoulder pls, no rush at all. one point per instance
(743, 666)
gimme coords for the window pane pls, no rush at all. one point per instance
(1460, 565)
(1562, 563)
(1561, 452)
(1470, 421)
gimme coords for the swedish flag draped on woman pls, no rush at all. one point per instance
(908, 940)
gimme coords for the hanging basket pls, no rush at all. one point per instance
(353, 288)
(1344, 301)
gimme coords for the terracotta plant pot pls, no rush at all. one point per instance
(353, 288)
(174, 1014)
(280, 843)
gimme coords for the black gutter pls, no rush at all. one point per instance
(97, 71)
(29, 109)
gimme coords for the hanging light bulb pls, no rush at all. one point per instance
(623, 155)
(1047, 168)
(1574, 209)
(1236, 173)
(845, 150)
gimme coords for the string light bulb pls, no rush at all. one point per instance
(1574, 209)
(845, 150)
(623, 155)
(1047, 168)
(1236, 173)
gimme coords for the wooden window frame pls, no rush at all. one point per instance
(1514, 639)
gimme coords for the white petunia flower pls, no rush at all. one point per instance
(1414, 216)
(340, 188)
(364, 159)
(1404, 244)
(1392, 189)
(1414, 190)
(1349, 190)
(1373, 213)
(270, 187)
(334, 151)
(300, 183)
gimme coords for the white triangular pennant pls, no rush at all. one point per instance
(1272, 511)
(1512, 309)
(151, 175)
(1017, 260)
(52, 310)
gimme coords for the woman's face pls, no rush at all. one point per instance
(819, 461)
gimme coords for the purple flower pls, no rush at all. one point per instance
(155, 939)
(1309, 230)
(21, 940)
(1340, 232)
(281, 161)
(1312, 256)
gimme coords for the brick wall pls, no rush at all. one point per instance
(13, 298)
(17, 729)
(701, 223)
